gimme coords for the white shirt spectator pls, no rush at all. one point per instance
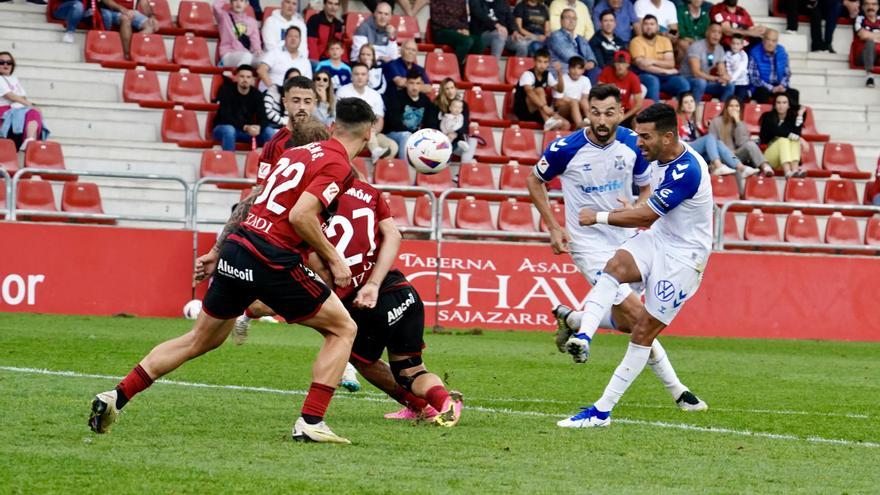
(665, 14)
(737, 67)
(528, 78)
(280, 61)
(274, 28)
(574, 89)
(11, 84)
(371, 96)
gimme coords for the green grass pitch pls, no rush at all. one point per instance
(785, 417)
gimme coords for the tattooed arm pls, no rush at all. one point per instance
(206, 263)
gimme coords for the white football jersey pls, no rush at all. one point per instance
(683, 199)
(594, 176)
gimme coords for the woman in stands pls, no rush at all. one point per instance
(240, 41)
(721, 160)
(781, 132)
(447, 93)
(17, 112)
(367, 56)
(325, 110)
(729, 129)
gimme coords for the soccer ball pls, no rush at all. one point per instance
(192, 309)
(428, 151)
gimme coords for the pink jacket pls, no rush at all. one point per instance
(228, 40)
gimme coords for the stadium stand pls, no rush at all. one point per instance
(35, 195)
(142, 87)
(83, 197)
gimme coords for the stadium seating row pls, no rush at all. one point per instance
(801, 228)
(76, 197)
(799, 190)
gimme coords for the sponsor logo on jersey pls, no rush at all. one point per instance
(359, 194)
(664, 193)
(230, 271)
(395, 314)
(619, 162)
(330, 192)
(542, 165)
(611, 186)
(263, 171)
(664, 290)
(588, 167)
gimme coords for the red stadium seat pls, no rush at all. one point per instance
(476, 176)
(142, 87)
(149, 50)
(216, 83)
(248, 10)
(473, 214)
(483, 70)
(873, 188)
(872, 231)
(252, 164)
(407, 27)
(47, 154)
(800, 190)
(163, 16)
(486, 150)
(192, 52)
(35, 195)
(197, 17)
(752, 116)
(440, 65)
(731, 231)
(840, 192)
(267, 12)
(515, 67)
(761, 227)
(483, 109)
(842, 230)
(515, 216)
(186, 89)
(513, 177)
(360, 163)
(397, 205)
(809, 131)
(809, 161)
(550, 136)
(760, 188)
(508, 114)
(711, 110)
(558, 210)
(724, 189)
(519, 144)
(3, 205)
(802, 229)
(221, 165)
(105, 48)
(209, 133)
(437, 183)
(353, 20)
(83, 197)
(392, 172)
(182, 127)
(422, 213)
(840, 158)
(8, 157)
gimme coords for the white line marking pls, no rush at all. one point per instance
(785, 412)
(660, 424)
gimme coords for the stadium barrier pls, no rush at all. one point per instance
(7, 184)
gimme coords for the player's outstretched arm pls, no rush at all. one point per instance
(538, 194)
(640, 216)
(388, 249)
(304, 218)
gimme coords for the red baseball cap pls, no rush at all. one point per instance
(622, 57)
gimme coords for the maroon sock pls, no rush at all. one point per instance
(317, 400)
(135, 382)
(436, 396)
(408, 399)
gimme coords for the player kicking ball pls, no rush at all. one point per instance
(262, 260)
(669, 257)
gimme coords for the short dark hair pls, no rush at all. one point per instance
(662, 115)
(576, 61)
(603, 91)
(737, 36)
(414, 74)
(542, 52)
(293, 71)
(649, 17)
(354, 112)
(607, 12)
(682, 96)
(334, 41)
(247, 67)
(301, 82)
(298, 30)
(307, 131)
(359, 64)
(12, 59)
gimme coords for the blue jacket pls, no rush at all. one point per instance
(562, 48)
(761, 68)
(13, 121)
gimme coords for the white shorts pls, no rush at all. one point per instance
(668, 281)
(591, 264)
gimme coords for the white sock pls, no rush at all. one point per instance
(574, 320)
(598, 304)
(627, 371)
(245, 318)
(661, 367)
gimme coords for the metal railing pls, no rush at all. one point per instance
(12, 191)
(464, 192)
(7, 183)
(430, 231)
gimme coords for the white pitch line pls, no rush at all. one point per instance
(784, 412)
(660, 424)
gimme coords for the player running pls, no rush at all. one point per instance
(262, 260)
(596, 167)
(669, 257)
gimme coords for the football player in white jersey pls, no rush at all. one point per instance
(596, 167)
(669, 257)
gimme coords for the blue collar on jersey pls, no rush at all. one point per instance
(674, 159)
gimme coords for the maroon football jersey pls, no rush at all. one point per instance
(271, 153)
(354, 230)
(322, 169)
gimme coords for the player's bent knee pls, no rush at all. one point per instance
(398, 367)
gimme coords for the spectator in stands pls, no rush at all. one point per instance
(377, 31)
(325, 108)
(449, 26)
(324, 27)
(817, 10)
(734, 20)
(729, 129)
(653, 57)
(395, 71)
(340, 72)
(705, 67)
(737, 63)
(693, 20)
(493, 22)
(239, 34)
(276, 63)
(627, 82)
(624, 17)
(530, 96)
(532, 22)
(769, 72)
(663, 11)
(605, 43)
(16, 111)
(408, 110)
(276, 25)
(720, 159)
(72, 12)
(583, 23)
(241, 116)
(445, 96)
(273, 103)
(380, 145)
(125, 15)
(573, 102)
(452, 124)
(866, 40)
(367, 56)
(781, 132)
(566, 43)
